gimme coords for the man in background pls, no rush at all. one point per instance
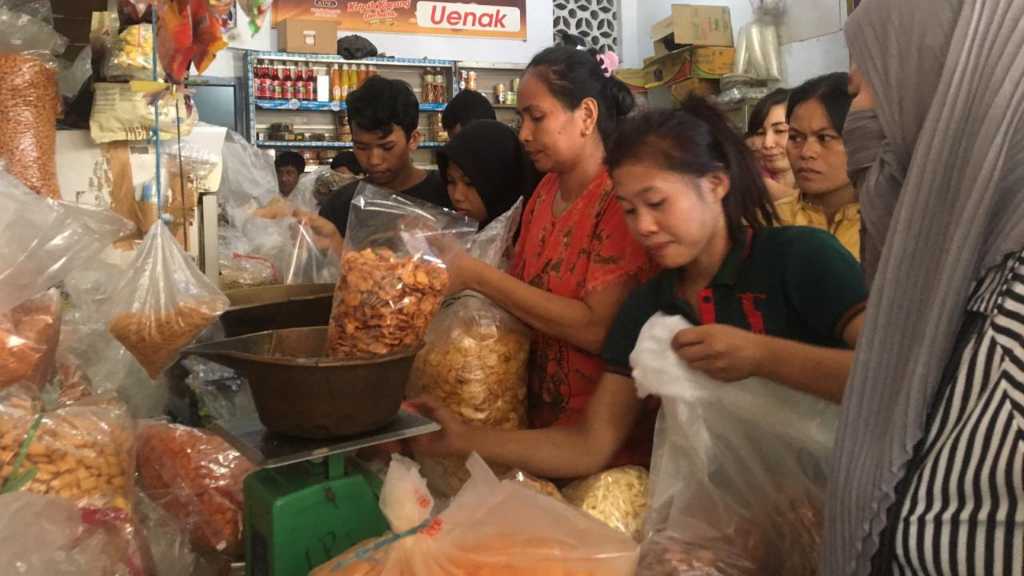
(467, 107)
(290, 167)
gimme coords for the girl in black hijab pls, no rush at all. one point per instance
(485, 170)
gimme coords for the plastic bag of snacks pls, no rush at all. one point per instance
(196, 477)
(169, 552)
(29, 101)
(163, 303)
(493, 527)
(49, 536)
(83, 452)
(538, 485)
(617, 497)
(738, 472)
(392, 280)
(131, 56)
(475, 358)
(256, 11)
(28, 341)
(122, 114)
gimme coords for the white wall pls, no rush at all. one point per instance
(801, 60)
(539, 16)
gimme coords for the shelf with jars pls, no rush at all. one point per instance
(307, 93)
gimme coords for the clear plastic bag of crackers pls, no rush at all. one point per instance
(29, 334)
(494, 527)
(163, 303)
(475, 358)
(83, 452)
(197, 478)
(738, 472)
(392, 277)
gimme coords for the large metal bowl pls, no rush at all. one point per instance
(277, 307)
(300, 393)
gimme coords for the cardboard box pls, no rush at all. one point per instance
(691, 25)
(307, 36)
(694, 62)
(693, 87)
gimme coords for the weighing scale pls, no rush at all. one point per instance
(309, 501)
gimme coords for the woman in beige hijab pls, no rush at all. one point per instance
(928, 471)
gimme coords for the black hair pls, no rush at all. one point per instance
(289, 158)
(574, 75)
(697, 140)
(467, 107)
(833, 92)
(763, 108)
(382, 103)
(347, 159)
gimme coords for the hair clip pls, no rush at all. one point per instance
(609, 62)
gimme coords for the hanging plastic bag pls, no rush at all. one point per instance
(29, 101)
(757, 51)
(738, 472)
(493, 527)
(82, 452)
(197, 478)
(207, 35)
(256, 11)
(175, 43)
(42, 241)
(131, 56)
(163, 303)
(28, 341)
(475, 358)
(392, 280)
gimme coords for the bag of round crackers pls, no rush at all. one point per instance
(392, 277)
(475, 359)
(163, 303)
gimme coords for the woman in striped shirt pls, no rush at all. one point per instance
(929, 467)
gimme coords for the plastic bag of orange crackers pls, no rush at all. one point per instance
(163, 304)
(491, 528)
(196, 477)
(392, 280)
(28, 341)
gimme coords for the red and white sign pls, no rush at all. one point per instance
(482, 18)
(459, 16)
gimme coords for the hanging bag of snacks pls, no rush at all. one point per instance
(392, 279)
(163, 304)
(475, 359)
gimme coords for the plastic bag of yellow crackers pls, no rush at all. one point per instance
(492, 528)
(475, 360)
(392, 279)
(163, 303)
(82, 452)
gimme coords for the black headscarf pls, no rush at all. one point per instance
(490, 155)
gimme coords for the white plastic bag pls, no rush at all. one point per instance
(163, 304)
(738, 472)
(43, 240)
(758, 53)
(249, 178)
(308, 264)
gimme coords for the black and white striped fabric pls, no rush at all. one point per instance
(962, 504)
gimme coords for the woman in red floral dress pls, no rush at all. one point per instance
(575, 260)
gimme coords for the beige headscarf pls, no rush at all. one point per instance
(949, 80)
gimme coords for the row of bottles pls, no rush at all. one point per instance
(290, 80)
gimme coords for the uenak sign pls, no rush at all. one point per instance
(490, 19)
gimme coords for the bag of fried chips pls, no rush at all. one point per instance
(475, 359)
(163, 304)
(392, 278)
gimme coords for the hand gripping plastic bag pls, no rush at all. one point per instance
(196, 477)
(42, 240)
(163, 304)
(492, 528)
(738, 472)
(308, 264)
(475, 359)
(392, 279)
(83, 452)
(28, 341)
(50, 536)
